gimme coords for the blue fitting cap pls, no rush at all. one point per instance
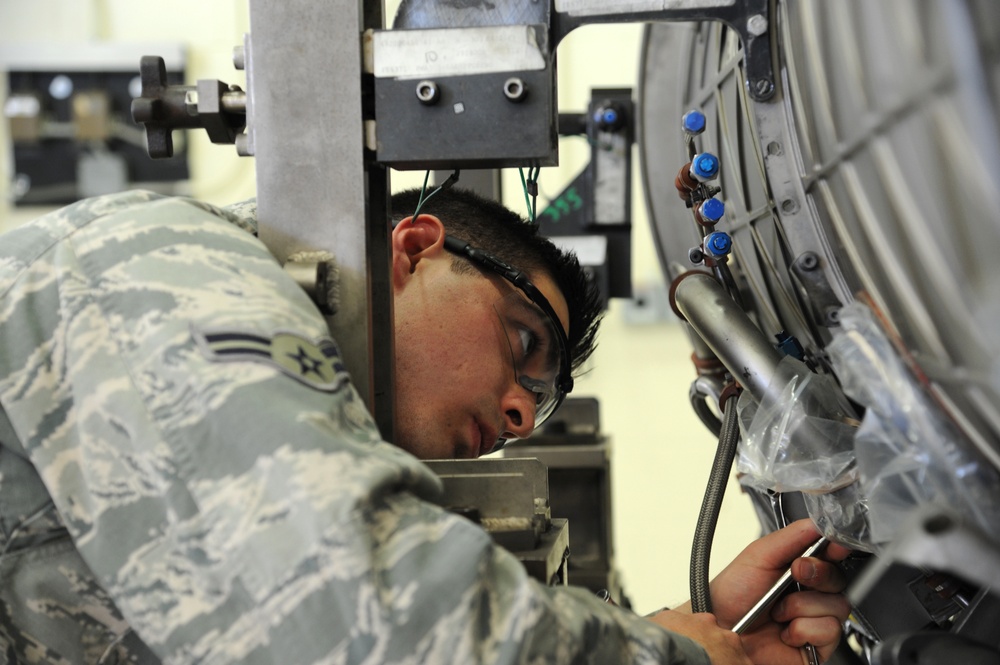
(712, 210)
(610, 116)
(705, 166)
(718, 243)
(789, 345)
(694, 122)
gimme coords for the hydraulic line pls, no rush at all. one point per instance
(706, 387)
(704, 533)
(754, 362)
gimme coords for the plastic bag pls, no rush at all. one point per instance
(802, 439)
(909, 454)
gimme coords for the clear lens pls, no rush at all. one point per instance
(535, 350)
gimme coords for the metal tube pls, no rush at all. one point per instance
(744, 350)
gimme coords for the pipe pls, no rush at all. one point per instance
(727, 330)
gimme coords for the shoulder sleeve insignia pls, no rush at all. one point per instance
(315, 363)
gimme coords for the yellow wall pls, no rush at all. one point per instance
(640, 373)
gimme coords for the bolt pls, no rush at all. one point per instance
(757, 25)
(809, 261)
(712, 210)
(789, 206)
(833, 315)
(718, 243)
(428, 92)
(705, 166)
(693, 122)
(514, 89)
(696, 256)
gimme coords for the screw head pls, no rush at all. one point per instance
(763, 88)
(757, 25)
(809, 261)
(693, 122)
(428, 92)
(515, 89)
(790, 206)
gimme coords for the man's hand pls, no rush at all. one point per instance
(812, 616)
(722, 645)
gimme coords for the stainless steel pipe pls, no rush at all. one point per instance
(727, 330)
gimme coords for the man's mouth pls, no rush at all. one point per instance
(487, 439)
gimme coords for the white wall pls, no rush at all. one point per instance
(640, 373)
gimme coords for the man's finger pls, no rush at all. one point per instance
(819, 575)
(811, 604)
(822, 632)
(776, 550)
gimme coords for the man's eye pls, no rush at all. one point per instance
(528, 341)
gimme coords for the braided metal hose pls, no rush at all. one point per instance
(704, 533)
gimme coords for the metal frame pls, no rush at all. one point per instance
(315, 189)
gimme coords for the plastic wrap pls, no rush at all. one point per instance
(800, 438)
(909, 455)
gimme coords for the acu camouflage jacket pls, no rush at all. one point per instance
(173, 490)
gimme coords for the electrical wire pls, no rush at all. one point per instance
(451, 180)
(530, 187)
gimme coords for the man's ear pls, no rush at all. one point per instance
(414, 240)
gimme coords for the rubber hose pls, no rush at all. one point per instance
(704, 533)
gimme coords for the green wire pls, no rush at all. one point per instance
(534, 197)
(420, 201)
(451, 180)
(527, 201)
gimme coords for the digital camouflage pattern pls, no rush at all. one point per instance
(187, 475)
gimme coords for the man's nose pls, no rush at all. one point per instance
(519, 412)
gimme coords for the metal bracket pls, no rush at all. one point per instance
(813, 283)
(751, 19)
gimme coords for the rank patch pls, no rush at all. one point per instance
(315, 363)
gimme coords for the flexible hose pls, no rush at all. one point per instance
(704, 533)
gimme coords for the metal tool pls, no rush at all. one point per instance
(776, 592)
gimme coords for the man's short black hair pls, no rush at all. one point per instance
(492, 227)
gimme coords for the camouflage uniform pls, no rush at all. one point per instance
(188, 476)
